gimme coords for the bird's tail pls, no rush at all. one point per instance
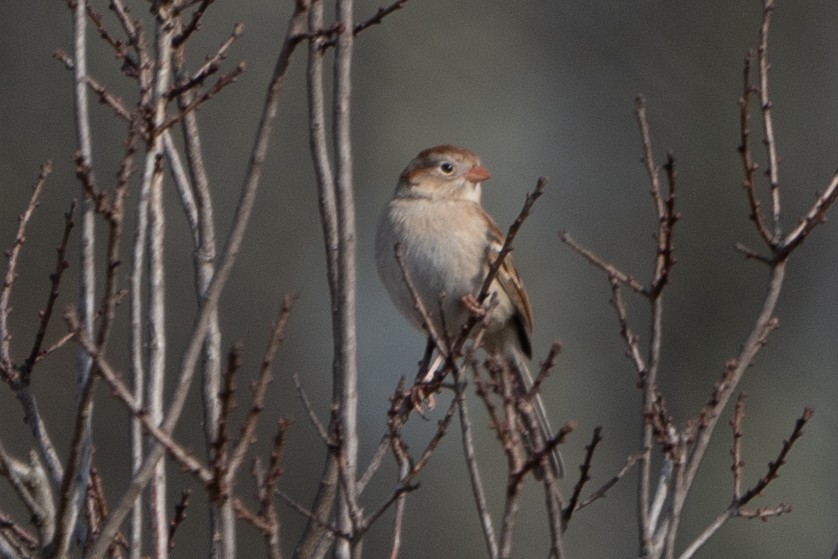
(536, 432)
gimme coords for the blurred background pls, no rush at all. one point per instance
(535, 88)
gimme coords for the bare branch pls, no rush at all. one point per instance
(180, 516)
(207, 69)
(736, 451)
(526, 210)
(814, 217)
(9, 375)
(608, 268)
(477, 487)
(767, 120)
(193, 25)
(603, 490)
(260, 387)
(584, 475)
(774, 467)
(748, 164)
(379, 16)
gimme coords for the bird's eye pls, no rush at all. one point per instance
(447, 167)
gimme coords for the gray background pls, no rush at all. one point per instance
(536, 88)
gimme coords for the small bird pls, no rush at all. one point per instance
(448, 243)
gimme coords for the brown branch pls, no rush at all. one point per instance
(266, 483)
(193, 25)
(774, 467)
(260, 386)
(736, 452)
(105, 96)
(220, 457)
(209, 67)
(603, 265)
(180, 515)
(735, 509)
(268, 487)
(203, 97)
(119, 47)
(45, 315)
(547, 365)
(383, 11)
(584, 476)
(330, 32)
(9, 375)
(751, 254)
(600, 493)
(526, 210)
(333, 530)
(749, 166)
(814, 217)
(629, 336)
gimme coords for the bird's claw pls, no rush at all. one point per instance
(470, 303)
(422, 399)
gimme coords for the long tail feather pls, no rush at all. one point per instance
(536, 430)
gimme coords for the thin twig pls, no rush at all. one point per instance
(379, 16)
(325, 438)
(260, 387)
(61, 264)
(208, 68)
(193, 25)
(9, 375)
(584, 476)
(607, 267)
(749, 166)
(774, 467)
(814, 217)
(477, 487)
(526, 210)
(736, 452)
(767, 120)
(179, 517)
(375, 19)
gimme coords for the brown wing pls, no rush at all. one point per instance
(511, 283)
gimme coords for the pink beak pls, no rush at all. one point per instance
(478, 173)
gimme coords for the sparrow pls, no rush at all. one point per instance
(448, 242)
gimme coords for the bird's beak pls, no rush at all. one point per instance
(478, 173)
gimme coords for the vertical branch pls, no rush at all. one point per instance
(767, 121)
(648, 377)
(315, 531)
(6, 364)
(471, 463)
(136, 315)
(749, 165)
(153, 184)
(87, 278)
(345, 323)
(204, 257)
